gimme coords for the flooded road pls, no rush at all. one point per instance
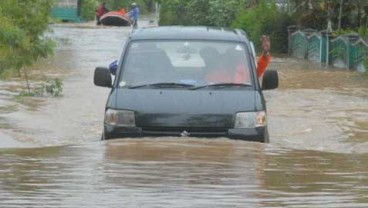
(51, 154)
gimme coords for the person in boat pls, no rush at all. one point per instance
(134, 14)
(238, 67)
(122, 11)
(101, 10)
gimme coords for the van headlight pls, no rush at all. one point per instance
(250, 119)
(120, 118)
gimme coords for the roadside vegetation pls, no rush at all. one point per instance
(255, 17)
(22, 39)
(50, 87)
(270, 17)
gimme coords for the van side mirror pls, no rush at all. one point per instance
(270, 80)
(102, 77)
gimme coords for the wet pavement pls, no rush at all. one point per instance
(51, 154)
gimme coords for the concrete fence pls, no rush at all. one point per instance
(344, 51)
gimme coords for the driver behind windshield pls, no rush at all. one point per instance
(232, 67)
(229, 67)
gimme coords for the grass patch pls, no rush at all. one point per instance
(51, 87)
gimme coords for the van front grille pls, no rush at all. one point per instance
(181, 131)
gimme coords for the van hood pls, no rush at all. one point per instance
(185, 108)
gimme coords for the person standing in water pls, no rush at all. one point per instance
(101, 10)
(134, 14)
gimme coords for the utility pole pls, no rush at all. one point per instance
(310, 5)
(329, 11)
(340, 14)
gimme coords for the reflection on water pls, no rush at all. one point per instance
(179, 172)
(318, 121)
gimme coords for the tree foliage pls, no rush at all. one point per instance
(199, 12)
(255, 17)
(23, 23)
(88, 9)
(270, 17)
(315, 13)
(265, 19)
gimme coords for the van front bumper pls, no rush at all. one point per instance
(259, 134)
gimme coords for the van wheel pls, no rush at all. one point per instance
(103, 136)
(266, 138)
(270, 79)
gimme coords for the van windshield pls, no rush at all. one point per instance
(185, 64)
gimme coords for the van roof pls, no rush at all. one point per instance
(189, 33)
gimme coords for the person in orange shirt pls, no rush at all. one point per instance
(122, 11)
(265, 57)
(240, 73)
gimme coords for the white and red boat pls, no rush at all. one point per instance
(115, 19)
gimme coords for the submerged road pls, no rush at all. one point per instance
(51, 154)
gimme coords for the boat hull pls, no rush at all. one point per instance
(114, 19)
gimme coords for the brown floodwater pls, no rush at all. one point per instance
(51, 154)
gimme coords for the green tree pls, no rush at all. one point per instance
(89, 9)
(23, 23)
(265, 19)
(222, 13)
(199, 12)
(257, 17)
(344, 14)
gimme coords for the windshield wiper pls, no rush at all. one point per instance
(162, 85)
(225, 84)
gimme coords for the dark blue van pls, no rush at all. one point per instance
(186, 81)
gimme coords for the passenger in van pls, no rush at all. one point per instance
(229, 67)
(233, 69)
(216, 69)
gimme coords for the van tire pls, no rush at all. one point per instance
(266, 138)
(272, 78)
